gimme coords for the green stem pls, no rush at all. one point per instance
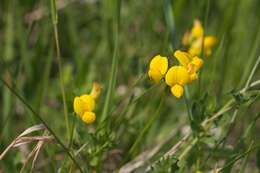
(252, 73)
(187, 102)
(188, 148)
(61, 81)
(244, 162)
(113, 72)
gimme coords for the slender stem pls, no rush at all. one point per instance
(244, 162)
(187, 102)
(72, 132)
(188, 148)
(228, 106)
(255, 83)
(113, 72)
(252, 73)
(111, 84)
(61, 81)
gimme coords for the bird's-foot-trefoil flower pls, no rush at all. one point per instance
(195, 40)
(158, 68)
(191, 63)
(85, 104)
(196, 46)
(197, 30)
(176, 78)
(209, 43)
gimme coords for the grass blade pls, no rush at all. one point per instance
(56, 35)
(113, 73)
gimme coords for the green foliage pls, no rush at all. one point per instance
(166, 165)
(51, 51)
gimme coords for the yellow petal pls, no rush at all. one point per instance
(78, 107)
(186, 38)
(171, 76)
(155, 75)
(195, 48)
(158, 67)
(193, 77)
(159, 63)
(194, 51)
(197, 62)
(182, 57)
(209, 42)
(177, 75)
(89, 117)
(88, 102)
(197, 30)
(183, 76)
(177, 90)
(96, 90)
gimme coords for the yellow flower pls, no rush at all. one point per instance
(195, 47)
(192, 64)
(176, 78)
(84, 105)
(199, 172)
(209, 43)
(89, 117)
(196, 63)
(177, 90)
(195, 40)
(197, 29)
(177, 75)
(158, 67)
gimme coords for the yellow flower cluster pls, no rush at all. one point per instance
(85, 104)
(195, 39)
(177, 76)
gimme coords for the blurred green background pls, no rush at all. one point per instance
(86, 35)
